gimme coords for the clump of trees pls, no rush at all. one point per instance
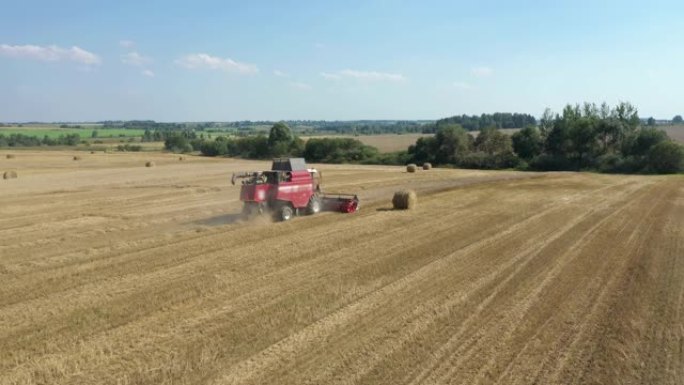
(179, 141)
(129, 147)
(280, 142)
(587, 137)
(339, 150)
(452, 145)
(605, 139)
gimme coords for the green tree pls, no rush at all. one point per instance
(546, 122)
(177, 142)
(558, 139)
(280, 140)
(651, 122)
(452, 143)
(424, 150)
(492, 141)
(639, 143)
(609, 132)
(582, 135)
(628, 115)
(94, 134)
(677, 119)
(527, 143)
(280, 133)
(666, 158)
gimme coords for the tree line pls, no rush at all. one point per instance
(282, 142)
(21, 140)
(244, 128)
(475, 122)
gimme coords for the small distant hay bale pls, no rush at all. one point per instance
(92, 152)
(411, 167)
(404, 200)
(181, 158)
(150, 164)
(427, 166)
(10, 156)
(77, 157)
(9, 175)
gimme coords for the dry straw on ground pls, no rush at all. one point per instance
(411, 167)
(492, 281)
(427, 166)
(149, 164)
(9, 175)
(404, 200)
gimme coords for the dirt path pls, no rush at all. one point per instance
(111, 272)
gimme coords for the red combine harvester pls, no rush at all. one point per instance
(289, 188)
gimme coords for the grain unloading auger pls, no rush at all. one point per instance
(289, 188)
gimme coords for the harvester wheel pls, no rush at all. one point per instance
(314, 206)
(286, 213)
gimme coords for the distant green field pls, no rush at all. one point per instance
(84, 133)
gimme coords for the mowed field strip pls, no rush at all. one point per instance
(115, 273)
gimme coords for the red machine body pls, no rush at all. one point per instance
(295, 187)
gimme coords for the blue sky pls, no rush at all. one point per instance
(335, 60)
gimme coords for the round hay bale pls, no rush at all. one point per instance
(404, 200)
(92, 152)
(181, 158)
(411, 167)
(77, 157)
(427, 166)
(9, 156)
(9, 175)
(149, 164)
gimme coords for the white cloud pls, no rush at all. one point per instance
(148, 73)
(462, 85)
(482, 71)
(372, 75)
(205, 61)
(135, 59)
(126, 43)
(364, 75)
(50, 53)
(300, 86)
(330, 76)
(281, 74)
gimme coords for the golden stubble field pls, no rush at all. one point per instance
(114, 273)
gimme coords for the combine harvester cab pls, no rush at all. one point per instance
(289, 188)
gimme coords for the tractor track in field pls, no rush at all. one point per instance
(123, 274)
